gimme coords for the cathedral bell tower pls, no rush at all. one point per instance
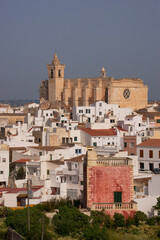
(55, 80)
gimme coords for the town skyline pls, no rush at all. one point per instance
(121, 36)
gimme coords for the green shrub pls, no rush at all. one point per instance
(151, 221)
(119, 220)
(100, 218)
(53, 204)
(130, 221)
(140, 217)
(95, 233)
(4, 211)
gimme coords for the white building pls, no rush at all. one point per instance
(4, 166)
(149, 154)
(101, 137)
(97, 111)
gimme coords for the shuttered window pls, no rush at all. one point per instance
(117, 197)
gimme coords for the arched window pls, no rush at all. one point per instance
(51, 73)
(59, 73)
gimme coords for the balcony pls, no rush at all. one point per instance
(114, 206)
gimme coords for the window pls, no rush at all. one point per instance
(100, 113)
(59, 73)
(88, 111)
(51, 73)
(141, 153)
(139, 124)
(132, 144)
(47, 171)
(159, 154)
(80, 111)
(151, 166)
(50, 114)
(117, 197)
(75, 139)
(1, 172)
(100, 104)
(39, 140)
(46, 114)
(57, 124)
(141, 165)
(158, 120)
(150, 154)
(125, 144)
(112, 121)
(95, 144)
(40, 153)
(78, 151)
(3, 159)
(75, 165)
(89, 119)
(50, 157)
(131, 129)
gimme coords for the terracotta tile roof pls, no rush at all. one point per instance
(121, 129)
(17, 148)
(17, 190)
(150, 143)
(25, 160)
(22, 161)
(130, 116)
(47, 148)
(100, 132)
(76, 159)
(13, 114)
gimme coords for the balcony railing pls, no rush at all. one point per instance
(114, 206)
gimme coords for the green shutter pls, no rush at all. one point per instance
(117, 197)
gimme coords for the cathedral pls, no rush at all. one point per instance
(126, 92)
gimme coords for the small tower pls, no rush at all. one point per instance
(103, 72)
(55, 80)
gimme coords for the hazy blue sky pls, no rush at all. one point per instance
(121, 35)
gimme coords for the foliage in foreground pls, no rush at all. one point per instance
(69, 220)
(53, 204)
(18, 220)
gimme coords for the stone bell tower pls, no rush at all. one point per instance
(55, 80)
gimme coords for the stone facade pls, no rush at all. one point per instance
(130, 92)
(104, 177)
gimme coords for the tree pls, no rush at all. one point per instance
(69, 220)
(18, 221)
(157, 206)
(21, 173)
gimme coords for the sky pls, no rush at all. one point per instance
(121, 35)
